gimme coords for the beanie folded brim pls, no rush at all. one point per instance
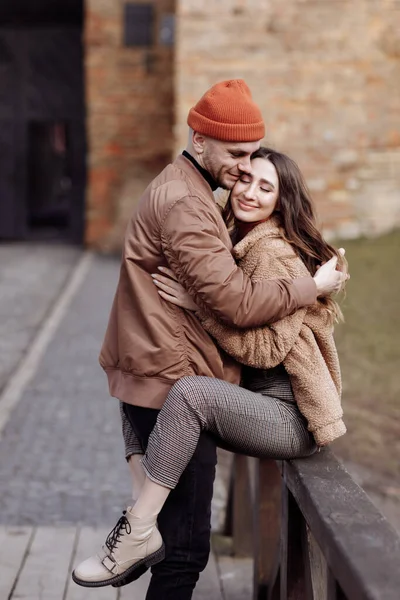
(245, 132)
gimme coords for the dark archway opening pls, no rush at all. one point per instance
(42, 120)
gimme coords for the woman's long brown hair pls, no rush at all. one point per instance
(296, 214)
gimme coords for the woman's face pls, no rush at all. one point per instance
(255, 195)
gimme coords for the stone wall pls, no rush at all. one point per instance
(130, 104)
(326, 74)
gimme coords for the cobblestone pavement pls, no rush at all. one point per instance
(31, 277)
(61, 452)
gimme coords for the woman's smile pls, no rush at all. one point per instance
(246, 205)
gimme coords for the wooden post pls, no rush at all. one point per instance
(242, 508)
(266, 526)
(295, 566)
(334, 591)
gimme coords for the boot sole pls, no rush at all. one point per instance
(131, 574)
(132, 577)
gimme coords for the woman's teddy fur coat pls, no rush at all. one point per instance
(303, 341)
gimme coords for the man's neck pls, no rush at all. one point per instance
(210, 180)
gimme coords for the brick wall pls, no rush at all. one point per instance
(130, 103)
(326, 74)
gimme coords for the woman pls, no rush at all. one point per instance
(290, 402)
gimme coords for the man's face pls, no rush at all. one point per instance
(226, 161)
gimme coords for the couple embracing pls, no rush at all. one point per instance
(220, 334)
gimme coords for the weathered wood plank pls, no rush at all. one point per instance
(220, 504)
(361, 547)
(242, 518)
(334, 591)
(208, 587)
(88, 543)
(236, 575)
(319, 568)
(266, 524)
(44, 574)
(295, 577)
(14, 543)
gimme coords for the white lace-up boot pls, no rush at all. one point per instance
(134, 545)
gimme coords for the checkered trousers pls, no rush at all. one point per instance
(242, 420)
(272, 382)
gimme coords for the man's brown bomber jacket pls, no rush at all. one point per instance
(150, 343)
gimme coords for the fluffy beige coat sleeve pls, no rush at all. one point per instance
(303, 341)
(259, 347)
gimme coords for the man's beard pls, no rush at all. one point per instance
(216, 172)
(218, 178)
(224, 186)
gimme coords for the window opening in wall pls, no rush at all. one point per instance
(138, 24)
(49, 181)
(166, 34)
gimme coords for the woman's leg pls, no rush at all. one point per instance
(247, 422)
(133, 454)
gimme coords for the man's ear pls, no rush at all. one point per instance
(199, 142)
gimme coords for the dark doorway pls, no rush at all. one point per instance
(42, 120)
(49, 179)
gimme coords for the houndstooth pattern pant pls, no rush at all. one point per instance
(241, 420)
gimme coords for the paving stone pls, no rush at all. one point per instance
(31, 277)
(61, 453)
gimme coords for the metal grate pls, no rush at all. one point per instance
(138, 24)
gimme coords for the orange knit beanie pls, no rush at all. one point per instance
(227, 112)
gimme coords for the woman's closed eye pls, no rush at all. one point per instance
(245, 178)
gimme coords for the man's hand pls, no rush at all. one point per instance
(327, 279)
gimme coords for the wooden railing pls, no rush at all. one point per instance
(313, 532)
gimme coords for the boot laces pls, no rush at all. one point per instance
(121, 528)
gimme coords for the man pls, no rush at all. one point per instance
(150, 344)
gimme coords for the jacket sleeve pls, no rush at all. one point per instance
(316, 393)
(260, 347)
(205, 266)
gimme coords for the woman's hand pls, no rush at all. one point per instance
(171, 290)
(329, 278)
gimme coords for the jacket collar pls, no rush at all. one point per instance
(194, 175)
(270, 229)
(210, 180)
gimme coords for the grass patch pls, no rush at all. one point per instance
(369, 349)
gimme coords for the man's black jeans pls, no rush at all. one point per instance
(184, 521)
